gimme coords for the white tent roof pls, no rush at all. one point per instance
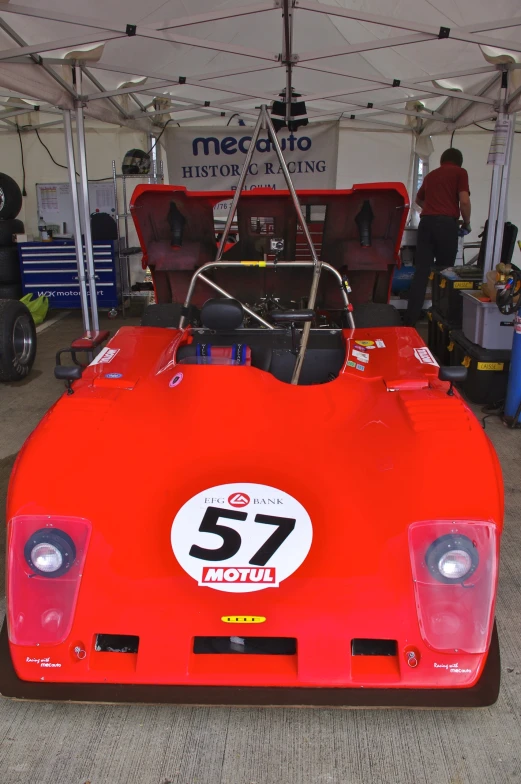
(219, 58)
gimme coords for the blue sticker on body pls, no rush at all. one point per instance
(113, 375)
(176, 380)
(360, 367)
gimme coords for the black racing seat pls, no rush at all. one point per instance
(222, 318)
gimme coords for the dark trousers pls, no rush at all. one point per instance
(436, 245)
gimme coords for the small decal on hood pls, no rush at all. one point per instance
(424, 356)
(176, 380)
(105, 356)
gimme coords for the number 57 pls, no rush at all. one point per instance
(232, 539)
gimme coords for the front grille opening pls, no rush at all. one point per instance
(370, 647)
(271, 646)
(116, 643)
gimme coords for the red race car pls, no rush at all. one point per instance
(212, 515)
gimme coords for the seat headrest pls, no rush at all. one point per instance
(222, 314)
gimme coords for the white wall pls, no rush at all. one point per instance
(363, 156)
(103, 145)
(474, 145)
(373, 156)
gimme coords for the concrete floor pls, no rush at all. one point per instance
(89, 744)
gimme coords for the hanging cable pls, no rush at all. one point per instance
(452, 136)
(231, 118)
(162, 132)
(24, 192)
(61, 165)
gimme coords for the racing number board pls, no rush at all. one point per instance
(241, 537)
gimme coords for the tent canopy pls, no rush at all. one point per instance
(407, 64)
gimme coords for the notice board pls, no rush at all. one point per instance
(54, 202)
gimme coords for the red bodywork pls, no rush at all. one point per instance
(376, 465)
(331, 221)
(367, 455)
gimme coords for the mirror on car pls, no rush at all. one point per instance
(67, 373)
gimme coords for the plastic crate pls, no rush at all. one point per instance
(488, 369)
(439, 337)
(484, 324)
(447, 286)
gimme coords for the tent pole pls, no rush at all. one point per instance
(84, 183)
(492, 220)
(503, 194)
(67, 124)
(240, 185)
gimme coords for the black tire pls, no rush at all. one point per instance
(9, 265)
(10, 291)
(17, 340)
(10, 197)
(376, 315)
(8, 228)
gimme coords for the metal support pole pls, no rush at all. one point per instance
(317, 263)
(264, 121)
(240, 185)
(84, 183)
(69, 146)
(492, 220)
(503, 194)
(287, 15)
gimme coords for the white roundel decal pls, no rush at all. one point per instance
(241, 537)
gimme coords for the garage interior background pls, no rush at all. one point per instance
(363, 156)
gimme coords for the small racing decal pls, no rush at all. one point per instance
(380, 344)
(176, 380)
(350, 363)
(454, 668)
(366, 343)
(240, 538)
(424, 356)
(105, 356)
(243, 619)
(360, 367)
(113, 375)
(46, 662)
(361, 356)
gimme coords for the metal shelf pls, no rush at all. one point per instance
(155, 178)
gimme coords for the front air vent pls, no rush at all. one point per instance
(373, 647)
(267, 646)
(116, 643)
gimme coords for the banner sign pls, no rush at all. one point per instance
(205, 158)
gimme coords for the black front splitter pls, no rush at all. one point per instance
(483, 693)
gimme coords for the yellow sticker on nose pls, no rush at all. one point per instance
(243, 619)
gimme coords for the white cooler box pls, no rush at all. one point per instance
(484, 324)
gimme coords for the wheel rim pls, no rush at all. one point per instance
(22, 340)
(2, 200)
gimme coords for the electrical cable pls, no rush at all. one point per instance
(231, 118)
(162, 132)
(24, 192)
(490, 130)
(61, 165)
(452, 136)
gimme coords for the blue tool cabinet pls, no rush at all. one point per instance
(49, 268)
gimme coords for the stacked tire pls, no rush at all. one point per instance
(10, 206)
(17, 330)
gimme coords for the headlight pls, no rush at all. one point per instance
(50, 552)
(452, 558)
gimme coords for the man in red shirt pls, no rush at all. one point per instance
(443, 195)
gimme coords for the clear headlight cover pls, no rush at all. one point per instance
(454, 567)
